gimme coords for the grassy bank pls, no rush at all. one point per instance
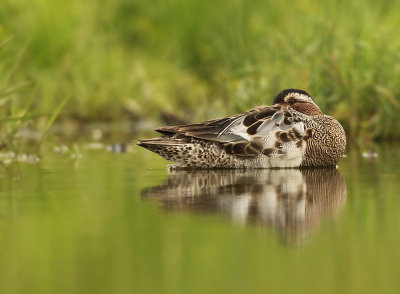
(198, 60)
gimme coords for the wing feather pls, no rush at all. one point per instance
(240, 134)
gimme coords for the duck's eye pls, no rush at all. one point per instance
(292, 100)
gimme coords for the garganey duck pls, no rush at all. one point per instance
(293, 132)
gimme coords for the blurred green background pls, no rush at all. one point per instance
(195, 60)
(77, 224)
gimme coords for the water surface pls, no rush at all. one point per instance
(122, 223)
(292, 201)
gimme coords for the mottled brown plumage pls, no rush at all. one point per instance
(291, 133)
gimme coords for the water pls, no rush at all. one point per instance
(292, 201)
(121, 223)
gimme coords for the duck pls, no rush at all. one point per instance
(293, 132)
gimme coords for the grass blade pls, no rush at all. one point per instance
(21, 118)
(51, 121)
(6, 41)
(10, 90)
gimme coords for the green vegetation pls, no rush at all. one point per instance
(132, 59)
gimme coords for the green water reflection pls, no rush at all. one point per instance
(121, 223)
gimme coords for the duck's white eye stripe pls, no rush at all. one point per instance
(298, 96)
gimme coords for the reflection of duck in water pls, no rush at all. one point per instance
(291, 200)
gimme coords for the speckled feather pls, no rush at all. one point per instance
(291, 133)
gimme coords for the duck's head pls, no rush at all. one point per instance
(298, 100)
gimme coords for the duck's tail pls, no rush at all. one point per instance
(172, 149)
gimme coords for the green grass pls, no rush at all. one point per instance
(13, 112)
(18, 109)
(198, 60)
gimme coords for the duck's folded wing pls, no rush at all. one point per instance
(241, 134)
(211, 130)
